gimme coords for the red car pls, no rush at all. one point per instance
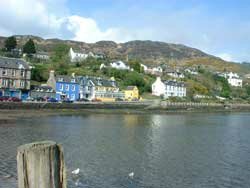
(14, 99)
(4, 98)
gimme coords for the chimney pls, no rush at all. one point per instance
(52, 80)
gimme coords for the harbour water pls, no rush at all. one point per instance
(195, 150)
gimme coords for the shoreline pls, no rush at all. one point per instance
(11, 115)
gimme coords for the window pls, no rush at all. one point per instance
(67, 87)
(5, 83)
(13, 72)
(72, 96)
(4, 72)
(60, 79)
(22, 84)
(73, 80)
(14, 83)
(73, 88)
(22, 73)
(61, 87)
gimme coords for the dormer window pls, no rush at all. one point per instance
(60, 79)
(73, 80)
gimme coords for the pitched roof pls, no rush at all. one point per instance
(97, 81)
(65, 78)
(174, 83)
(44, 88)
(131, 87)
(13, 63)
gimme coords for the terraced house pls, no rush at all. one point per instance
(14, 77)
(66, 87)
(98, 88)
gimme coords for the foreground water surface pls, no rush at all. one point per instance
(178, 150)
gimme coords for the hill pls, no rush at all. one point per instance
(150, 52)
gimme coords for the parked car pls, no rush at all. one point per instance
(30, 99)
(40, 99)
(67, 101)
(14, 99)
(52, 100)
(4, 98)
(83, 100)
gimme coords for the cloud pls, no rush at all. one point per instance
(226, 57)
(43, 18)
(86, 29)
(192, 25)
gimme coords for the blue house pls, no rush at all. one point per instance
(67, 88)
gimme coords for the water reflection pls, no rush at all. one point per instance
(186, 150)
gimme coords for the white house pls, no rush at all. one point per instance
(153, 70)
(158, 87)
(157, 69)
(77, 56)
(144, 67)
(119, 65)
(102, 66)
(233, 79)
(174, 74)
(191, 71)
(168, 88)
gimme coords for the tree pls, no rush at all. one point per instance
(29, 47)
(135, 64)
(60, 59)
(10, 43)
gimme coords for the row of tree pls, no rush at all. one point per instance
(11, 43)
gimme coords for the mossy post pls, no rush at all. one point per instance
(41, 165)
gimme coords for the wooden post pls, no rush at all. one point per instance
(41, 165)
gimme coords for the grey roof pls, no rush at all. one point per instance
(65, 78)
(13, 63)
(96, 81)
(45, 88)
(174, 83)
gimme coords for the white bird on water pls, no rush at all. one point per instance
(76, 171)
(131, 174)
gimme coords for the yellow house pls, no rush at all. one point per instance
(131, 93)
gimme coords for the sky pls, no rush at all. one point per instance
(217, 27)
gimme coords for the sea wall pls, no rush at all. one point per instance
(147, 105)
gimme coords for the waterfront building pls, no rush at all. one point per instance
(131, 93)
(43, 91)
(14, 77)
(67, 88)
(96, 88)
(168, 88)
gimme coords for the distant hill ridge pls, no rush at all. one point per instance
(147, 50)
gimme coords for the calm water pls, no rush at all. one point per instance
(175, 151)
